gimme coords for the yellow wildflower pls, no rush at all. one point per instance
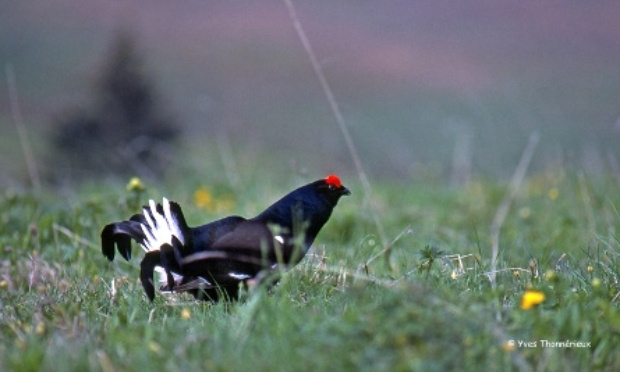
(185, 314)
(135, 185)
(531, 298)
(40, 328)
(509, 346)
(551, 275)
(203, 198)
(155, 347)
(553, 193)
(525, 213)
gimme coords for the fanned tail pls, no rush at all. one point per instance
(156, 226)
(161, 231)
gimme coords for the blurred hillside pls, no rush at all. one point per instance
(424, 87)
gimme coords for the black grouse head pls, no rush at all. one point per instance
(330, 189)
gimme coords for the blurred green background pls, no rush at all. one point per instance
(438, 90)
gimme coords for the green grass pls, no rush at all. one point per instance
(432, 308)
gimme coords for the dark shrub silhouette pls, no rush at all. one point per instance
(125, 131)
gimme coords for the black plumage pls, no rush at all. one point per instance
(212, 260)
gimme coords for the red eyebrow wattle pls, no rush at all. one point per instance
(333, 180)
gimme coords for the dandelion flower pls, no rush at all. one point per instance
(185, 314)
(525, 213)
(551, 275)
(553, 193)
(203, 198)
(531, 298)
(135, 185)
(40, 328)
(509, 346)
(155, 347)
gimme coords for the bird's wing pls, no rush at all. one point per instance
(203, 237)
(236, 256)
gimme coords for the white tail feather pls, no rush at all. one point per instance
(159, 228)
(173, 224)
(149, 238)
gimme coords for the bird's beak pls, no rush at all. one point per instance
(345, 191)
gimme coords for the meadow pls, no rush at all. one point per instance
(414, 274)
(401, 281)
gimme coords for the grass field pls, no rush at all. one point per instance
(404, 280)
(63, 306)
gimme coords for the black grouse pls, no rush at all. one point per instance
(212, 260)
